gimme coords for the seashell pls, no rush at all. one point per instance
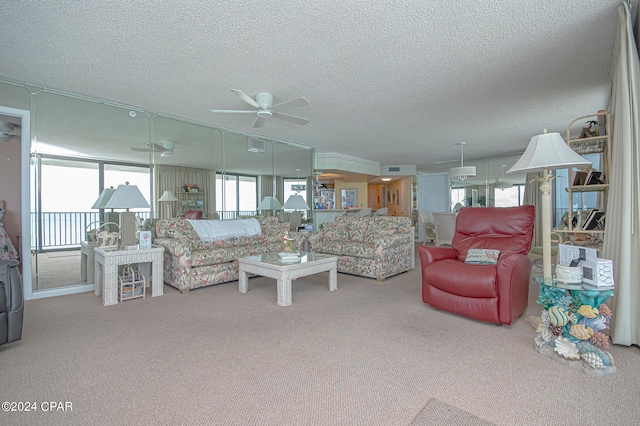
(558, 316)
(566, 348)
(592, 359)
(580, 331)
(543, 337)
(588, 311)
(598, 323)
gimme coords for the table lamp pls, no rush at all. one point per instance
(546, 152)
(270, 203)
(127, 197)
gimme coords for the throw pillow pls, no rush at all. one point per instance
(482, 256)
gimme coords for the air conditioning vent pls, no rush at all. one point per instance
(257, 145)
(397, 170)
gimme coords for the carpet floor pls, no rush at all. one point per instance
(370, 353)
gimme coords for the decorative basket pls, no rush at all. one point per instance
(91, 234)
(107, 240)
(132, 284)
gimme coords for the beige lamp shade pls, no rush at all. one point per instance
(270, 203)
(547, 150)
(127, 197)
(168, 196)
(103, 198)
(296, 202)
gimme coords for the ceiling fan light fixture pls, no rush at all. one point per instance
(263, 113)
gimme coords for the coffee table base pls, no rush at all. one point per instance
(285, 273)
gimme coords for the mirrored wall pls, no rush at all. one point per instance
(80, 145)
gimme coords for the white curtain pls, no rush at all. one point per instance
(622, 239)
(172, 178)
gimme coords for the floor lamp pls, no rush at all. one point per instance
(546, 152)
(169, 197)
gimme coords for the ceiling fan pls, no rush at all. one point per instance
(264, 108)
(166, 149)
(8, 130)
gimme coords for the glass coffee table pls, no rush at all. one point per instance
(285, 269)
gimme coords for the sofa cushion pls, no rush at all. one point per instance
(181, 228)
(356, 249)
(335, 231)
(358, 229)
(330, 247)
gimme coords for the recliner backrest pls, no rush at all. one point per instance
(508, 229)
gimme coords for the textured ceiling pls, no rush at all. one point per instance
(392, 82)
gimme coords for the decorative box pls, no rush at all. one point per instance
(569, 274)
(598, 272)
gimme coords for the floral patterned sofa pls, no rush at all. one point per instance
(191, 263)
(374, 246)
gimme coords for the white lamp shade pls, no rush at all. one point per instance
(270, 203)
(461, 173)
(103, 198)
(127, 197)
(168, 196)
(296, 202)
(547, 150)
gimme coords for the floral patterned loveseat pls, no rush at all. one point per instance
(191, 263)
(374, 246)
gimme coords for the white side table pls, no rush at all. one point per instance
(106, 270)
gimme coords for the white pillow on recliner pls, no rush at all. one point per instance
(482, 256)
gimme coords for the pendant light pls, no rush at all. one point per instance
(461, 173)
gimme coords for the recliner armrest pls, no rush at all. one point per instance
(432, 254)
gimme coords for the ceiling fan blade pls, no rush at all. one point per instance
(259, 122)
(245, 98)
(294, 103)
(240, 111)
(290, 118)
(153, 147)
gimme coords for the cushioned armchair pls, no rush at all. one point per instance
(495, 293)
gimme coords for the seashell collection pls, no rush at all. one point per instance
(572, 322)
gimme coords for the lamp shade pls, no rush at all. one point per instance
(168, 196)
(296, 202)
(270, 203)
(547, 150)
(103, 198)
(127, 197)
(461, 173)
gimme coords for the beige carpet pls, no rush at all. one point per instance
(369, 354)
(438, 413)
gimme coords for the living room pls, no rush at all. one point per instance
(370, 352)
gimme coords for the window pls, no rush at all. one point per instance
(509, 197)
(236, 195)
(457, 197)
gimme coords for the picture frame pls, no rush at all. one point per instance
(349, 198)
(595, 178)
(580, 178)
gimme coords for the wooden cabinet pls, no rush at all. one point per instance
(192, 198)
(586, 226)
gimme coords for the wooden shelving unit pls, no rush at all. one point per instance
(191, 200)
(600, 144)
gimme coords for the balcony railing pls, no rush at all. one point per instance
(65, 230)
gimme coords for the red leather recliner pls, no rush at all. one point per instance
(497, 293)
